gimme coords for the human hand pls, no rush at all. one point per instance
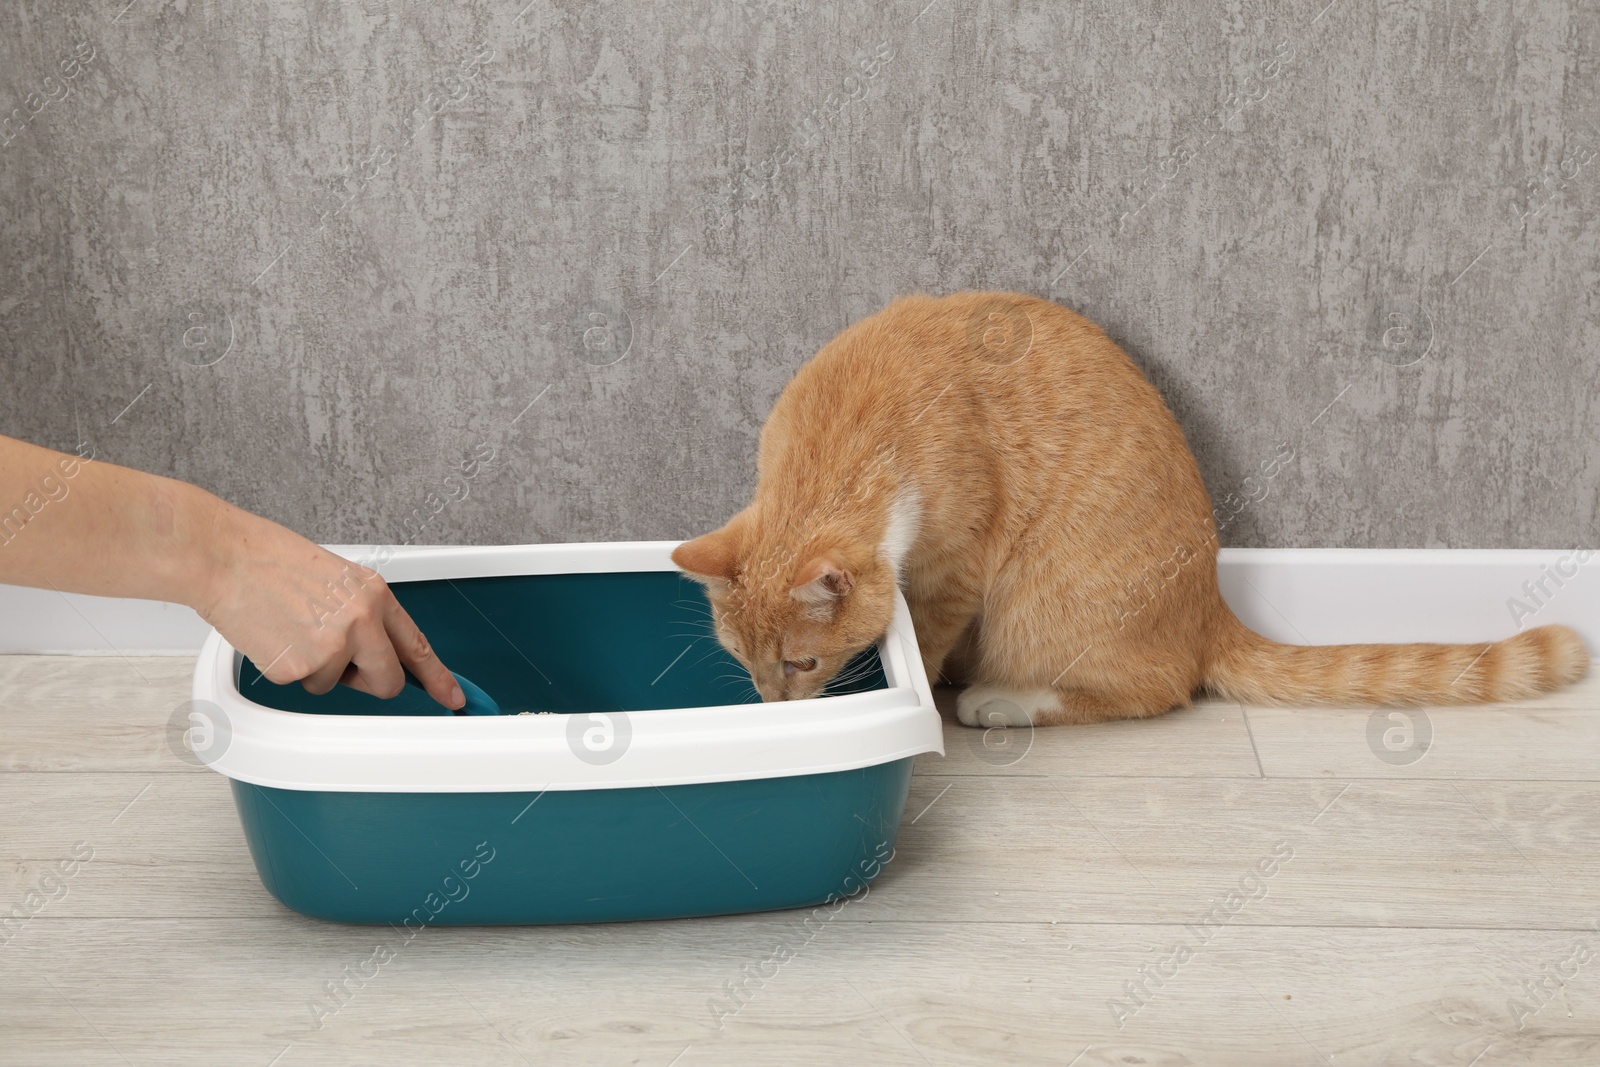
(87, 526)
(303, 614)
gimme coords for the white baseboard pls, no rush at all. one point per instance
(1298, 595)
(1333, 596)
(45, 622)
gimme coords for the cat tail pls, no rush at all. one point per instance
(1246, 667)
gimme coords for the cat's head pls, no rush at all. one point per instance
(792, 615)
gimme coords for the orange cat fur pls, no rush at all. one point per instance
(1002, 461)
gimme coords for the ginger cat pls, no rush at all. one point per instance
(999, 459)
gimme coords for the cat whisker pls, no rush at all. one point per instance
(708, 655)
(851, 675)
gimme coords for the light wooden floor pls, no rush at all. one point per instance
(1030, 887)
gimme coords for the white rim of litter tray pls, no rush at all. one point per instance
(517, 753)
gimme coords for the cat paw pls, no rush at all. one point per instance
(984, 706)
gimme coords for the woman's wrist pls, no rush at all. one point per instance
(207, 533)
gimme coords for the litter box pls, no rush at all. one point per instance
(647, 781)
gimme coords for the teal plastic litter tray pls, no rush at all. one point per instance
(646, 780)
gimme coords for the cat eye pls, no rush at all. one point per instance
(791, 666)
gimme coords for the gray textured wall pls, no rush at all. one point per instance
(1365, 233)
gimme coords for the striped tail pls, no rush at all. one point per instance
(1247, 667)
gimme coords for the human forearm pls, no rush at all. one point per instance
(293, 607)
(85, 526)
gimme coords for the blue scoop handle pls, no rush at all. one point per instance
(478, 702)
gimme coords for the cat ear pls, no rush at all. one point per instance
(822, 584)
(711, 558)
